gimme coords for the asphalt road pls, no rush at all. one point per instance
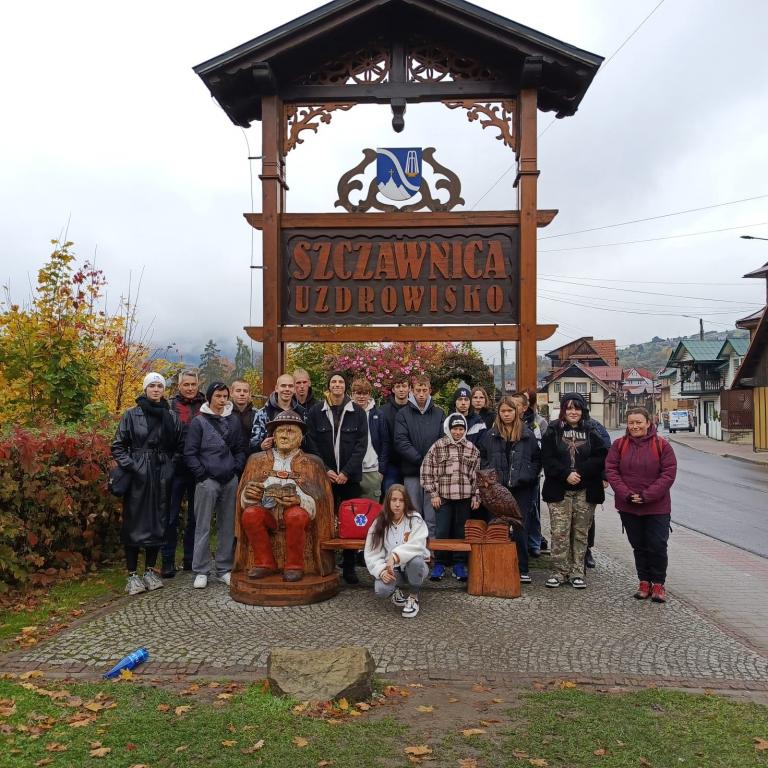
(721, 497)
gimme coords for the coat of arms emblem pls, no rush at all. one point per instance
(398, 172)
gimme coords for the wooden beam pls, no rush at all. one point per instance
(381, 93)
(364, 220)
(273, 202)
(526, 183)
(293, 334)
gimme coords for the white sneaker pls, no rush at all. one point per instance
(411, 607)
(225, 578)
(134, 585)
(152, 581)
(398, 597)
(201, 581)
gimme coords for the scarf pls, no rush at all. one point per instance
(159, 413)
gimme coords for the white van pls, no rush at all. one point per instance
(680, 420)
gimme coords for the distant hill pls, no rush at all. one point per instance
(654, 354)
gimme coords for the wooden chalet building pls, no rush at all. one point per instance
(589, 367)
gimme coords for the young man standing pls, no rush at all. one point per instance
(186, 405)
(337, 432)
(370, 486)
(389, 459)
(243, 407)
(282, 399)
(475, 424)
(304, 395)
(449, 476)
(417, 426)
(215, 453)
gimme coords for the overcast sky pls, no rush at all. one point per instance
(106, 126)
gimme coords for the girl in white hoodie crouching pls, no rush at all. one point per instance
(396, 551)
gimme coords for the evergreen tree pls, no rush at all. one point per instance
(243, 359)
(211, 368)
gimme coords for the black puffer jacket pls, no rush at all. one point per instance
(346, 453)
(518, 469)
(389, 455)
(415, 433)
(564, 450)
(151, 460)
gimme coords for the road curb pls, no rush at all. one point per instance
(745, 459)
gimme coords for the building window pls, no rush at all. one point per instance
(557, 387)
(594, 387)
(581, 387)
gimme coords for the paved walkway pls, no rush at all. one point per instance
(712, 633)
(718, 447)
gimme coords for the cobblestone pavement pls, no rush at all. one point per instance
(600, 631)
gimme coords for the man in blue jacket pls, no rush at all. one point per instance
(215, 453)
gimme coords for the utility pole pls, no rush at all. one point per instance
(503, 371)
(701, 328)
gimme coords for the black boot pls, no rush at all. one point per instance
(589, 561)
(169, 570)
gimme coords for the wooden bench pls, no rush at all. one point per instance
(436, 545)
(493, 568)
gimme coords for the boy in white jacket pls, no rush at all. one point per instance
(396, 551)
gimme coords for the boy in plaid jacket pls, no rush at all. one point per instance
(448, 475)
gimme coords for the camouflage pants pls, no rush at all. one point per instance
(569, 524)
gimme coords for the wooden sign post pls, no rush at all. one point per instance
(398, 274)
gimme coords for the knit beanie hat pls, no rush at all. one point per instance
(215, 387)
(461, 392)
(152, 378)
(336, 373)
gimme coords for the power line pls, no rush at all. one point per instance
(634, 311)
(629, 301)
(654, 239)
(654, 218)
(648, 293)
(632, 281)
(602, 69)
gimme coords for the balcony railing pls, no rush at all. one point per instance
(702, 386)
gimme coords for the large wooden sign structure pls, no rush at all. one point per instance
(397, 274)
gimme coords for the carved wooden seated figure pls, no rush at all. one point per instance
(285, 508)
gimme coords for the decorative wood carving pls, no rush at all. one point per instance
(430, 64)
(363, 66)
(499, 115)
(425, 200)
(305, 117)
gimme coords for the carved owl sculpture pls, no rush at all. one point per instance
(497, 499)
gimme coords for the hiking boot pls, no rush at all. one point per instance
(460, 572)
(200, 582)
(411, 607)
(589, 561)
(398, 597)
(525, 578)
(658, 593)
(152, 581)
(643, 590)
(544, 546)
(134, 585)
(438, 571)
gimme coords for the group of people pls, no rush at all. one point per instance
(420, 461)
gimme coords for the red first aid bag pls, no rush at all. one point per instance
(356, 517)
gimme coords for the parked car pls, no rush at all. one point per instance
(680, 421)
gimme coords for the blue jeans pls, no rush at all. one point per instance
(534, 522)
(452, 516)
(392, 476)
(183, 485)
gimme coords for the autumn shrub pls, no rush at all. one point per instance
(56, 515)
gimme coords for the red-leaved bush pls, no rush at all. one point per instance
(56, 515)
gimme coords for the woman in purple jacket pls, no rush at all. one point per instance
(641, 467)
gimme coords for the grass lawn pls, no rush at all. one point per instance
(45, 611)
(127, 723)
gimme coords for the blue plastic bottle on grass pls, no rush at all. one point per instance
(128, 662)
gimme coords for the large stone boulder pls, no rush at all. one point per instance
(331, 673)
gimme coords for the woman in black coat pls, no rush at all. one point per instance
(573, 455)
(148, 443)
(513, 451)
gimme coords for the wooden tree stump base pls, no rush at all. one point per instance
(273, 591)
